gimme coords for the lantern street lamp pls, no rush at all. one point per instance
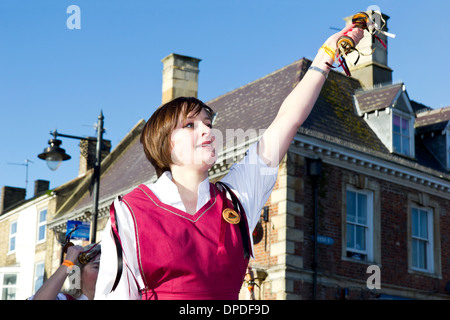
(54, 155)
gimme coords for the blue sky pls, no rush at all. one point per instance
(54, 77)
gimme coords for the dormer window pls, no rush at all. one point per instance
(433, 128)
(389, 113)
(401, 132)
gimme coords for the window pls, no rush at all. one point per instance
(42, 225)
(359, 224)
(9, 286)
(401, 135)
(12, 236)
(38, 275)
(424, 236)
(422, 239)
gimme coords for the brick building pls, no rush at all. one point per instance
(366, 175)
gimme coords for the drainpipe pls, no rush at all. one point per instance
(314, 167)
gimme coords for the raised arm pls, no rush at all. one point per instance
(294, 110)
(50, 288)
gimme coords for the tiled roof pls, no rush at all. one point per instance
(334, 114)
(377, 98)
(437, 118)
(255, 105)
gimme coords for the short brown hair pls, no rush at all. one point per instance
(155, 136)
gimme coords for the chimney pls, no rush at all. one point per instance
(87, 154)
(11, 196)
(180, 77)
(371, 69)
(40, 187)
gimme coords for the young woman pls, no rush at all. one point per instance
(84, 287)
(184, 237)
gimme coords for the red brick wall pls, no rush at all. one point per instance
(394, 240)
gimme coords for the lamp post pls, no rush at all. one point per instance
(54, 155)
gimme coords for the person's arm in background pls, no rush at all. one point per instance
(50, 288)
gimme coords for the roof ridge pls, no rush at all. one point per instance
(379, 87)
(433, 111)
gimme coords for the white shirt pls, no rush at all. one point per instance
(251, 180)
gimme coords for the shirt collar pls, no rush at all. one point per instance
(167, 191)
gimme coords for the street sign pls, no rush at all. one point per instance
(323, 240)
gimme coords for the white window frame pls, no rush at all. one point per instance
(12, 237)
(39, 274)
(428, 240)
(3, 286)
(410, 135)
(369, 226)
(41, 224)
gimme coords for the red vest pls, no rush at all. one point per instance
(183, 256)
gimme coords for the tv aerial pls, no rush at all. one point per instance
(26, 164)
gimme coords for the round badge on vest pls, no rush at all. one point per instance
(231, 216)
